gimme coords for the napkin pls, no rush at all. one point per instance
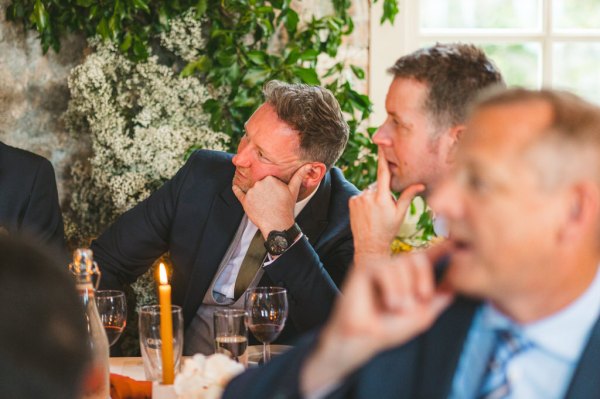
(122, 387)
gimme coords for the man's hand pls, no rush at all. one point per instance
(269, 204)
(375, 216)
(383, 305)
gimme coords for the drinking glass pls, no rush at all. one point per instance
(231, 333)
(150, 340)
(112, 308)
(267, 309)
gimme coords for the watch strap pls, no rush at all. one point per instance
(292, 233)
(289, 236)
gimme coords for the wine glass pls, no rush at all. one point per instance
(267, 309)
(112, 308)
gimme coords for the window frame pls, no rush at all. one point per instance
(407, 29)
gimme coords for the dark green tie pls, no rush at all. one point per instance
(250, 265)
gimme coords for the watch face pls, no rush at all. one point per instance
(277, 243)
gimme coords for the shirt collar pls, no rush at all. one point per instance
(564, 333)
(301, 204)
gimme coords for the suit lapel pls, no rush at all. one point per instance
(223, 220)
(585, 382)
(313, 218)
(441, 349)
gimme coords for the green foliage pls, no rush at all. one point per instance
(390, 10)
(130, 23)
(238, 57)
(248, 43)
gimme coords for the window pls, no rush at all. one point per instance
(535, 43)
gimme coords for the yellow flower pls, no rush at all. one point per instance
(416, 229)
(398, 246)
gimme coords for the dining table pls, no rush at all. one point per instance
(132, 367)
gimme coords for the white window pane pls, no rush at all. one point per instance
(520, 63)
(576, 68)
(479, 14)
(576, 14)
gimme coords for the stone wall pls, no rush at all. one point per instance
(34, 92)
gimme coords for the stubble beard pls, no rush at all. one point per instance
(239, 182)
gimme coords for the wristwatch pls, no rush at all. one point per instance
(279, 241)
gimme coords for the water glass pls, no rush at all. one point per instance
(231, 334)
(150, 340)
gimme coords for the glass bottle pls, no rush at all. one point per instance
(96, 382)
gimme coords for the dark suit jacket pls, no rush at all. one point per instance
(421, 369)
(28, 197)
(195, 216)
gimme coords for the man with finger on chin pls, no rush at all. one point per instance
(273, 214)
(426, 106)
(517, 314)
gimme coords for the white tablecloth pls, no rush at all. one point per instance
(129, 366)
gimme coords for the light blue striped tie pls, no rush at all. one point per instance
(496, 385)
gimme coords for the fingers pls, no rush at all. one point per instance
(440, 302)
(406, 198)
(387, 303)
(402, 282)
(238, 193)
(424, 276)
(383, 174)
(400, 287)
(438, 251)
(296, 180)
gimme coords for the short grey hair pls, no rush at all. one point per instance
(573, 131)
(315, 114)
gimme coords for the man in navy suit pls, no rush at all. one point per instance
(281, 183)
(28, 197)
(517, 314)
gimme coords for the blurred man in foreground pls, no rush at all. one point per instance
(517, 314)
(426, 107)
(44, 350)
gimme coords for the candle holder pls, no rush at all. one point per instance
(161, 391)
(151, 342)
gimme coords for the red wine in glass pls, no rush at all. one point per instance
(267, 309)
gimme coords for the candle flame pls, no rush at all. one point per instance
(162, 274)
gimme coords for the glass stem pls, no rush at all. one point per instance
(266, 352)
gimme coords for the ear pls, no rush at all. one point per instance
(315, 175)
(583, 211)
(456, 133)
(450, 141)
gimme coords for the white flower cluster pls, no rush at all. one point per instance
(184, 37)
(141, 118)
(412, 234)
(409, 228)
(205, 377)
